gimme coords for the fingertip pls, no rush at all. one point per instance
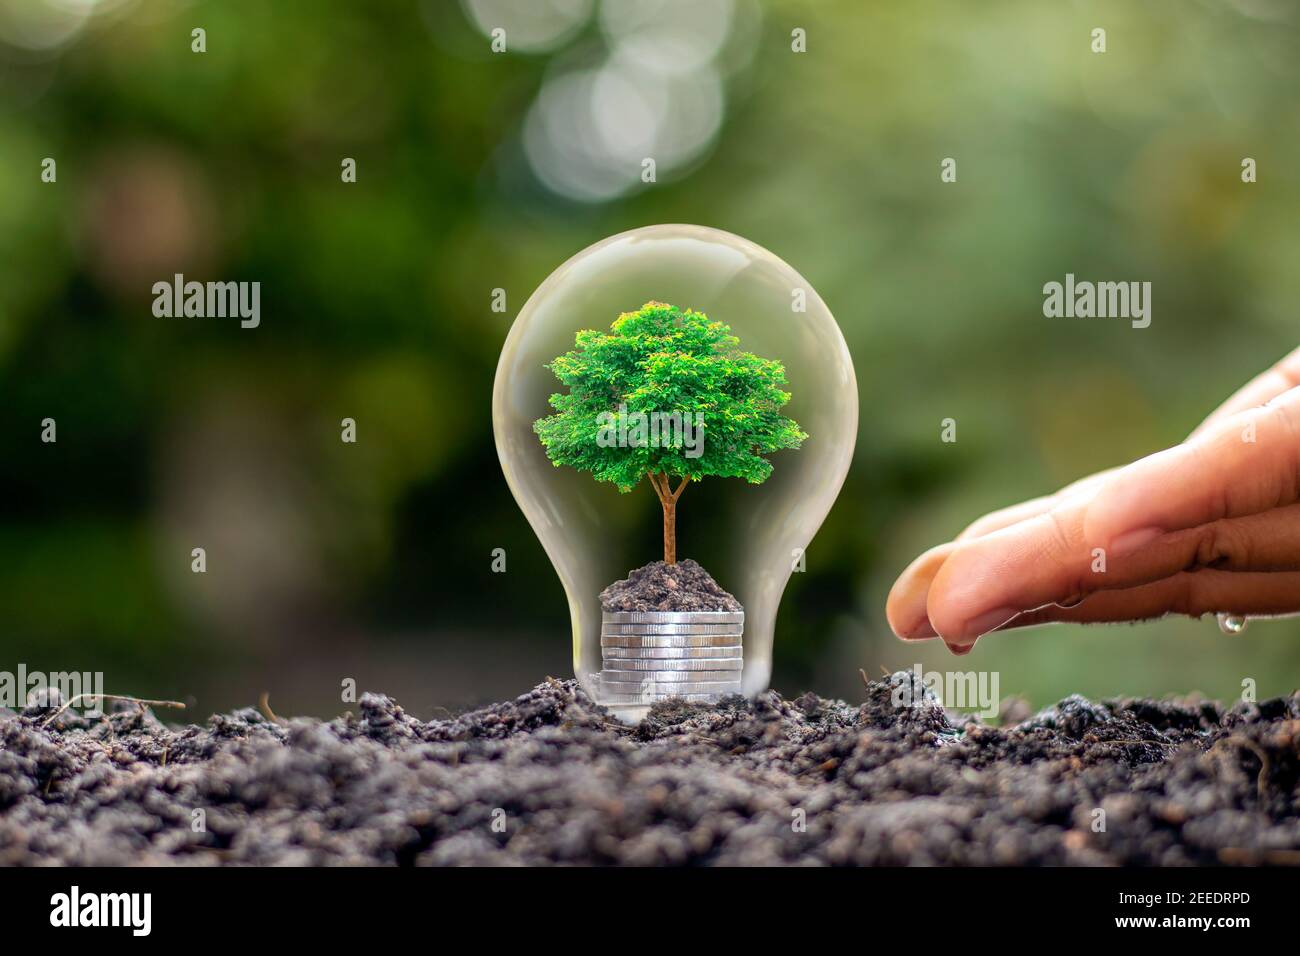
(921, 631)
(956, 593)
(905, 608)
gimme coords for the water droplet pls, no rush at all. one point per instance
(1233, 623)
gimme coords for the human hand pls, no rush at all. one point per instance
(1209, 526)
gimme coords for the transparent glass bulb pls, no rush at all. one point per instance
(583, 524)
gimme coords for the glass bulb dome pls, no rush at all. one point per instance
(583, 524)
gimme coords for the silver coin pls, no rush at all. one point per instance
(672, 617)
(731, 667)
(614, 655)
(665, 640)
(618, 629)
(668, 653)
(645, 700)
(617, 700)
(680, 698)
(670, 687)
(670, 677)
(677, 664)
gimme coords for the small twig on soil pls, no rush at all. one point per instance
(264, 705)
(1261, 781)
(134, 700)
(866, 681)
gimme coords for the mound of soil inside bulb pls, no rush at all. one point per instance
(1171, 782)
(684, 586)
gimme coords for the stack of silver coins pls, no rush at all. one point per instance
(648, 656)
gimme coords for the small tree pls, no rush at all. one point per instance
(666, 394)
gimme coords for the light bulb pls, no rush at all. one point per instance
(583, 524)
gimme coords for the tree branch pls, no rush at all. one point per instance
(134, 700)
(660, 491)
(680, 488)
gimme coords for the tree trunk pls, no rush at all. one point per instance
(670, 530)
(668, 500)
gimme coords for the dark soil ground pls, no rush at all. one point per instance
(768, 781)
(684, 586)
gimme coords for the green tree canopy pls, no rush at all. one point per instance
(666, 393)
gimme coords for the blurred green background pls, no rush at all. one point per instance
(479, 171)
